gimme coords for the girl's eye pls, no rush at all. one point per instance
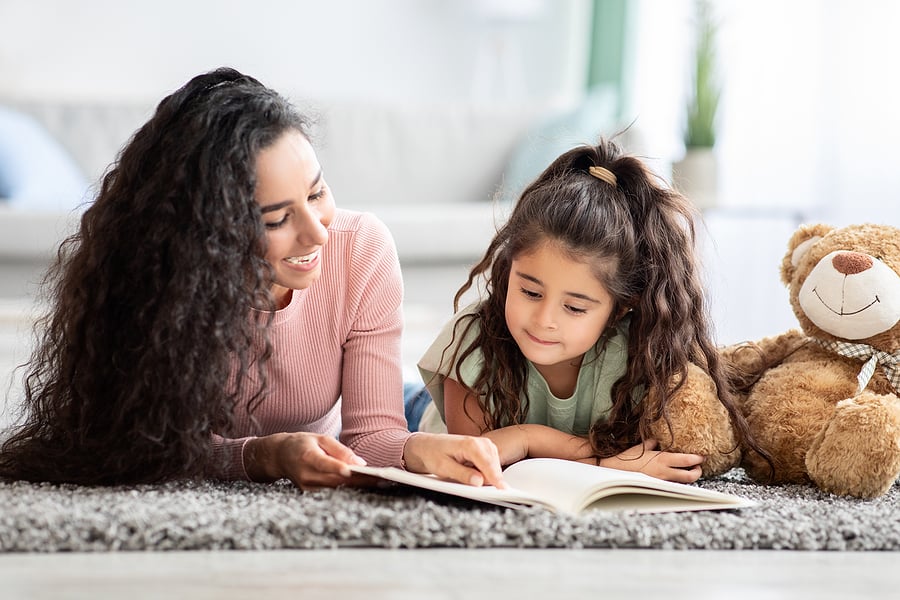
(575, 309)
(277, 224)
(531, 294)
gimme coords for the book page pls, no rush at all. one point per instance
(571, 487)
(511, 498)
(655, 501)
(574, 487)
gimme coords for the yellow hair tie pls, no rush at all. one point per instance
(604, 174)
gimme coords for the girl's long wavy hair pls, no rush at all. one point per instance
(638, 236)
(150, 301)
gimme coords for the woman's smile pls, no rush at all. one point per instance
(304, 263)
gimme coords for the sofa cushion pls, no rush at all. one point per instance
(379, 155)
(36, 172)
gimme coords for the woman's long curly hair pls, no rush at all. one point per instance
(638, 236)
(150, 301)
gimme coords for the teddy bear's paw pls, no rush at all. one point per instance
(712, 438)
(858, 452)
(717, 462)
(698, 423)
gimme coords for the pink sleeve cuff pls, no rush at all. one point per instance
(228, 458)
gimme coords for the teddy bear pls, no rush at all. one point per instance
(697, 423)
(822, 400)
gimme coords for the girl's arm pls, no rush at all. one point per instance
(644, 458)
(465, 416)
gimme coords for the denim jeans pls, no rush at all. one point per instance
(415, 399)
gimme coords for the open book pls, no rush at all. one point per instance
(570, 487)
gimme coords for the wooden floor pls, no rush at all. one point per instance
(374, 574)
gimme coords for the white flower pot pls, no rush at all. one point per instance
(696, 176)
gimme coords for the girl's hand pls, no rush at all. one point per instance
(463, 458)
(516, 442)
(511, 442)
(671, 466)
(309, 460)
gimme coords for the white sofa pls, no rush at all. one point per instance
(430, 172)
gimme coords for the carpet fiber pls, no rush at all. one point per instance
(187, 515)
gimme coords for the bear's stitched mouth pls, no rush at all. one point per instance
(841, 313)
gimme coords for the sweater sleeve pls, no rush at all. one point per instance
(373, 421)
(227, 461)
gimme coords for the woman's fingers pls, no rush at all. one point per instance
(313, 460)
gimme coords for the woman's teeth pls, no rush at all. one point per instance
(302, 260)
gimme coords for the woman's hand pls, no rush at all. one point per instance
(671, 466)
(463, 458)
(309, 460)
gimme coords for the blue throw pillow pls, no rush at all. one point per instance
(36, 172)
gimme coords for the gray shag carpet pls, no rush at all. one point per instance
(206, 515)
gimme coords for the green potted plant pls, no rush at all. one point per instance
(695, 174)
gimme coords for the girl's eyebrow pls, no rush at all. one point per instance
(286, 203)
(578, 295)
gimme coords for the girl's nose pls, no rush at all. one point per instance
(546, 316)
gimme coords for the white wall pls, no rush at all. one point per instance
(391, 50)
(808, 121)
(809, 132)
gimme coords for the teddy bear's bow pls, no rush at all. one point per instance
(889, 362)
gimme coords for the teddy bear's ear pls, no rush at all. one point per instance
(800, 243)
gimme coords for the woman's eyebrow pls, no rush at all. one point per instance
(286, 203)
(274, 207)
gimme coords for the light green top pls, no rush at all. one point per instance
(601, 367)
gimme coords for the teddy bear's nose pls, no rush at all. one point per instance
(850, 263)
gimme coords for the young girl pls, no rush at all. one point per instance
(216, 314)
(593, 307)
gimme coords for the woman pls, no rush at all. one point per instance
(216, 314)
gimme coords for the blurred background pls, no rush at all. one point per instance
(434, 115)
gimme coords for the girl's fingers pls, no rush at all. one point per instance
(680, 460)
(684, 475)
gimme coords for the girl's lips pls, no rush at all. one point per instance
(539, 341)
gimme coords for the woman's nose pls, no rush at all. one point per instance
(310, 229)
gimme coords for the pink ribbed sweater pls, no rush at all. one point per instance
(336, 366)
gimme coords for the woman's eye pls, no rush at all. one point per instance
(318, 195)
(277, 224)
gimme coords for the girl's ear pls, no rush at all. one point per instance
(628, 306)
(623, 310)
